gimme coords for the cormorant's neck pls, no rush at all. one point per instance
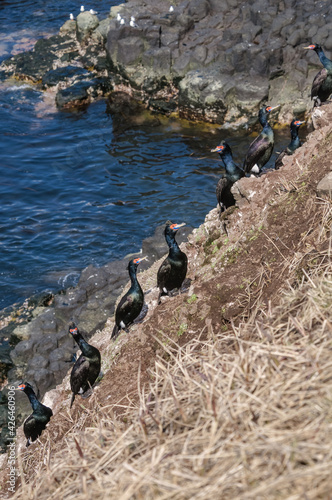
(326, 62)
(33, 399)
(172, 244)
(82, 344)
(132, 275)
(263, 120)
(294, 134)
(228, 162)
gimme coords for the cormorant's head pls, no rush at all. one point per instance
(265, 110)
(73, 329)
(314, 46)
(175, 227)
(296, 123)
(268, 109)
(171, 229)
(136, 261)
(222, 148)
(24, 387)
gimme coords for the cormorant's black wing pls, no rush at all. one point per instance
(318, 81)
(163, 271)
(124, 307)
(35, 424)
(223, 192)
(79, 375)
(30, 429)
(255, 152)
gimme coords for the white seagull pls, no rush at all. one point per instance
(171, 9)
(82, 8)
(94, 12)
(71, 17)
(132, 22)
(118, 17)
(122, 22)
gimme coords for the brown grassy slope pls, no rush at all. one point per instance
(240, 411)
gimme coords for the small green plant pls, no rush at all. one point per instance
(182, 329)
(192, 299)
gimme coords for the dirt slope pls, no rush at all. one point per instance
(238, 266)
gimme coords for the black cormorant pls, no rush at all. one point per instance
(173, 270)
(261, 148)
(87, 368)
(35, 424)
(293, 145)
(322, 85)
(233, 173)
(131, 303)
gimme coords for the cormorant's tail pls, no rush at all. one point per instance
(115, 332)
(72, 400)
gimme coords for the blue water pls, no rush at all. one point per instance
(74, 192)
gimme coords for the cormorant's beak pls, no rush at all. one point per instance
(301, 123)
(177, 226)
(274, 107)
(21, 387)
(141, 258)
(310, 47)
(215, 150)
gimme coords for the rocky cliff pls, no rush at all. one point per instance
(209, 60)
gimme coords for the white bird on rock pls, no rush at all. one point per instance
(82, 8)
(171, 9)
(71, 17)
(122, 22)
(118, 17)
(94, 12)
(132, 22)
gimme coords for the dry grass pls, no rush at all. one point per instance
(246, 414)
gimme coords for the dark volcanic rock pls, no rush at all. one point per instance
(82, 91)
(35, 63)
(58, 75)
(159, 59)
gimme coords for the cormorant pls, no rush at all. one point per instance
(87, 368)
(35, 424)
(173, 270)
(233, 174)
(131, 303)
(322, 85)
(293, 145)
(260, 150)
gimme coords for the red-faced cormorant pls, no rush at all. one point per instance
(261, 148)
(173, 270)
(87, 368)
(293, 145)
(131, 303)
(39, 418)
(322, 85)
(233, 173)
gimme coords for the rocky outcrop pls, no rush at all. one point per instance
(208, 60)
(324, 187)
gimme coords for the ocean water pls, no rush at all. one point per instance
(74, 189)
